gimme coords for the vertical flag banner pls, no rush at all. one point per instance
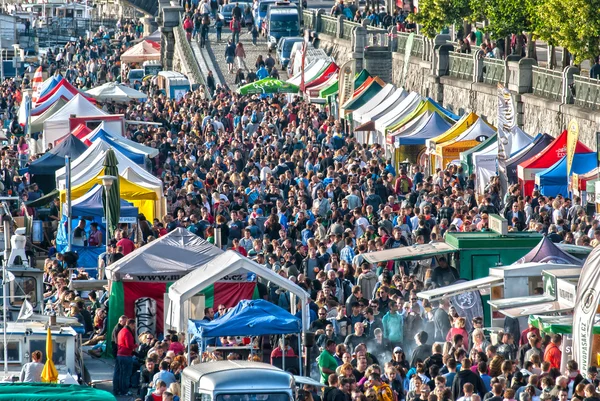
(572, 138)
(346, 82)
(586, 304)
(303, 66)
(506, 122)
(38, 80)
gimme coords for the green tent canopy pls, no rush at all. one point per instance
(559, 324)
(268, 86)
(332, 89)
(367, 94)
(45, 391)
(466, 157)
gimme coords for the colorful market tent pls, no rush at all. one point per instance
(313, 92)
(268, 86)
(555, 151)
(416, 132)
(538, 144)
(450, 150)
(145, 272)
(401, 110)
(81, 131)
(579, 182)
(64, 90)
(92, 205)
(458, 128)
(248, 318)
(133, 154)
(117, 92)
(364, 94)
(43, 169)
(46, 391)
(324, 75)
(332, 90)
(559, 324)
(386, 92)
(555, 179)
(57, 126)
(547, 252)
(427, 104)
(121, 141)
(37, 122)
(380, 110)
(143, 51)
(50, 84)
(310, 72)
(205, 279)
(485, 164)
(466, 157)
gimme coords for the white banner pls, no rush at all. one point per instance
(26, 310)
(586, 304)
(506, 122)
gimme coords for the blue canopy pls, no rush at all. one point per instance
(249, 318)
(136, 157)
(91, 204)
(433, 126)
(554, 180)
(50, 84)
(444, 111)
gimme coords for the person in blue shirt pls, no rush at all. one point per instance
(307, 233)
(262, 72)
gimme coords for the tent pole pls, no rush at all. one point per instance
(300, 351)
(189, 341)
(283, 353)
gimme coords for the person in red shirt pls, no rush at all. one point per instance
(553, 354)
(530, 328)
(176, 346)
(235, 245)
(278, 352)
(124, 242)
(124, 364)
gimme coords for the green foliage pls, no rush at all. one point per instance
(435, 15)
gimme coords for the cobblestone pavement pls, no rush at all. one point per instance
(216, 50)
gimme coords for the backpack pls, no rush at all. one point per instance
(404, 185)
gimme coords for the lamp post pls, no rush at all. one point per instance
(107, 182)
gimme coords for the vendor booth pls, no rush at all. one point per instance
(220, 274)
(132, 153)
(365, 124)
(400, 111)
(578, 185)
(549, 252)
(324, 76)
(138, 282)
(539, 143)
(37, 122)
(555, 179)
(485, 166)
(365, 93)
(466, 157)
(555, 151)
(386, 92)
(465, 122)
(311, 71)
(64, 90)
(116, 92)
(111, 123)
(141, 52)
(426, 105)
(448, 151)
(80, 131)
(333, 89)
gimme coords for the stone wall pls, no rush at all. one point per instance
(378, 61)
(417, 74)
(339, 49)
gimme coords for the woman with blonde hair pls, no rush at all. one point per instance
(480, 344)
(175, 389)
(459, 328)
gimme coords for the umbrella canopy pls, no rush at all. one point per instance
(49, 374)
(268, 86)
(113, 198)
(141, 52)
(114, 91)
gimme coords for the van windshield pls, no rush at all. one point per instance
(136, 74)
(254, 397)
(284, 23)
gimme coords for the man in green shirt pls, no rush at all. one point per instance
(327, 363)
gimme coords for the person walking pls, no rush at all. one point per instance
(230, 55)
(124, 363)
(218, 27)
(240, 56)
(235, 26)
(204, 31)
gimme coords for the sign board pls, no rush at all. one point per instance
(566, 291)
(498, 224)
(567, 351)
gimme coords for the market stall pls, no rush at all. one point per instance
(448, 151)
(555, 179)
(538, 144)
(465, 122)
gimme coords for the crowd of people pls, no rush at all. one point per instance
(284, 182)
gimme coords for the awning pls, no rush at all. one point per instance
(519, 301)
(559, 324)
(480, 284)
(368, 126)
(414, 252)
(536, 309)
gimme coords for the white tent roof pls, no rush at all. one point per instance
(382, 108)
(143, 51)
(127, 143)
(78, 106)
(403, 109)
(381, 96)
(116, 91)
(310, 71)
(167, 258)
(484, 166)
(225, 264)
(520, 140)
(477, 130)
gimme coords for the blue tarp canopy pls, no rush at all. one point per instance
(55, 158)
(539, 143)
(249, 318)
(50, 84)
(91, 204)
(554, 180)
(433, 126)
(136, 157)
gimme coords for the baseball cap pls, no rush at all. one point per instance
(398, 349)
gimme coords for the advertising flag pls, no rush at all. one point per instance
(506, 123)
(38, 80)
(572, 138)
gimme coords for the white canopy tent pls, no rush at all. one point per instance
(175, 254)
(392, 100)
(209, 273)
(57, 126)
(143, 51)
(114, 91)
(381, 96)
(403, 109)
(310, 71)
(127, 143)
(484, 166)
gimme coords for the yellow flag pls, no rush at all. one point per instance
(572, 138)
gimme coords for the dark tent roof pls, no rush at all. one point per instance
(55, 159)
(248, 318)
(547, 252)
(539, 143)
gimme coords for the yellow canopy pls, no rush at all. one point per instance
(450, 150)
(461, 126)
(143, 198)
(423, 107)
(49, 373)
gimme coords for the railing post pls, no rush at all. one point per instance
(567, 84)
(393, 38)
(440, 64)
(318, 20)
(359, 42)
(340, 26)
(478, 66)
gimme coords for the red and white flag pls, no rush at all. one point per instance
(304, 50)
(38, 80)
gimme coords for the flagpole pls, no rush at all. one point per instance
(5, 289)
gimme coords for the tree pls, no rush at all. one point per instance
(435, 15)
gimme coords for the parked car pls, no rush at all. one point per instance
(284, 49)
(227, 10)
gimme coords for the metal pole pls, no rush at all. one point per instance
(69, 217)
(5, 290)
(108, 236)
(301, 352)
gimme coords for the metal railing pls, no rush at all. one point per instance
(461, 66)
(417, 47)
(547, 83)
(493, 71)
(307, 17)
(402, 38)
(377, 37)
(347, 28)
(587, 92)
(328, 25)
(188, 56)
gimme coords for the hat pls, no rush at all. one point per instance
(371, 227)
(348, 230)
(309, 223)
(398, 349)
(259, 211)
(592, 369)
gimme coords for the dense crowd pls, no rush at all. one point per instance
(281, 181)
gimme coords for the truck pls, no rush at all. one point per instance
(283, 20)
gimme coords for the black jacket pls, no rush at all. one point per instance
(422, 352)
(467, 376)
(333, 394)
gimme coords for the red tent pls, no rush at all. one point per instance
(81, 131)
(555, 151)
(62, 85)
(324, 77)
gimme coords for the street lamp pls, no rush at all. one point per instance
(107, 182)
